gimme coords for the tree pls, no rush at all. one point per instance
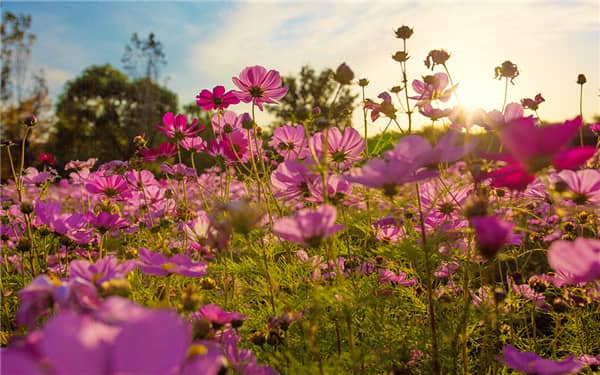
(143, 59)
(145, 56)
(310, 89)
(14, 54)
(99, 114)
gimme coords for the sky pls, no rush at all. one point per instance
(208, 42)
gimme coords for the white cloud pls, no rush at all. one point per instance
(550, 42)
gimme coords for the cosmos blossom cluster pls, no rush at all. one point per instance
(156, 266)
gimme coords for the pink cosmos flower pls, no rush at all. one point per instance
(154, 263)
(217, 99)
(104, 269)
(531, 363)
(227, 122)
(107, 222)
(584, 184)
(495, 120)
(114, 186)
(385, 106)
(390, 229)
(289, 142)
(536, 147)
(417, 151)
(434, 113)
(79, 165)
(387, 276)
(578, 261)
(309, 227)
(290, 180)
(196, 144)
(343, 149)
(34, 177)
(388, 174)
(176, 127)
(217, 315)
(257, 85)
(491, 234)
(166, 150)
(432, 88)
(145, 342)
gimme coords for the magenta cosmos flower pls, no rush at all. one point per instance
(537, 147)
(531, 363)
(491, 234)
(153, 263)
(309, 227)
(217, 315)
(217, 99)
(257, 85)
(578, 261)
(176, 127)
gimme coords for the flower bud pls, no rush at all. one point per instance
(258, 338)
(343, 74)
(316, 110)
(115, 287)
(26, 207)
(24, 246)
(30, 121)
(363, 82)
(208, 283)
(581, 79)
(400, 56)
(396, 89)
(247, 122)
(404, 32)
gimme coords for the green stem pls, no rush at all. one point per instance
(432, 323)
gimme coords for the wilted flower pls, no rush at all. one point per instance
(385, 106)
(534, 103)
(436, 57)
(403, 32)
(506, 70)
(400, 56)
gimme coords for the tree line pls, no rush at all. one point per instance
(100, 111)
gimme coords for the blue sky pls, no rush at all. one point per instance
(206, 43)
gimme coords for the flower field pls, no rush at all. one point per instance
(312, 248)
